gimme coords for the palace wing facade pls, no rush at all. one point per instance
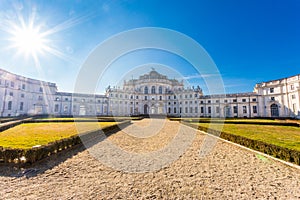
(150, 94)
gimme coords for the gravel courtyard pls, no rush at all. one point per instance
(227, 172)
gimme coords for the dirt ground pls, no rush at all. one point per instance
(227, 172)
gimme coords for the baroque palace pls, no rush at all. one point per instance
(151, 93)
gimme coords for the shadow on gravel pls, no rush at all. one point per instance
(31, 170)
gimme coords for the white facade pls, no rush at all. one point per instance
(151, 93)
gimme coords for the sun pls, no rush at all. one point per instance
(29, 40)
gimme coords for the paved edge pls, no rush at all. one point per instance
(246, 148)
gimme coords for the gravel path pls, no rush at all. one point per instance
(228, 172)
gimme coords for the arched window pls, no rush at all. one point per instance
(274, 110)
(160, 90)
(175, 110)
(153, 90)
(146, 90)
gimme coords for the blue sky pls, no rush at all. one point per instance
(249, 41)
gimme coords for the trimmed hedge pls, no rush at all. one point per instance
(283, 153)
(238, 122)
(9, 155)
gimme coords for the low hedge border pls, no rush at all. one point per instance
(283, 153)
(239, 122)
(20, 156)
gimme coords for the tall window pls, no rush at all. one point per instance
(217, 109)
(175, 110)
(153, 90)
(56, 108)
(271, 90)
(209, 109)
(235, 109)
(146, 90)
(9, 106)
(254, 108)
(160, 90)
(21, 105)
(202, 109)
(244, 109)
(41, 89)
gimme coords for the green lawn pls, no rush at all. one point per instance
(284, 136)
(25, 136)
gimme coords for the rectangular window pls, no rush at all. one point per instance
(225, 101)
(12, 84)
(186, 110)
(9, 105)
(294, 107)
(65, 108)
(244, 109)
(160, 98)
(254, 99)
(201, 102)
(235, 109)
(202, 109)
(273, 98)
(191, 110)
(146, 97)
(217, 109)
(56, 107)
(196, 109)
(11, 94)
(254, 108)
(271, 90)
(196, 95)
(174, 96)
(292, 87)
(217, 101)
(234, 100)
(209, 109)
(74, 108)
(41, 89)
(21, 105)
(209, 101)
(293, 96)
(23, 86)
(243, 100)
(22, 95)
